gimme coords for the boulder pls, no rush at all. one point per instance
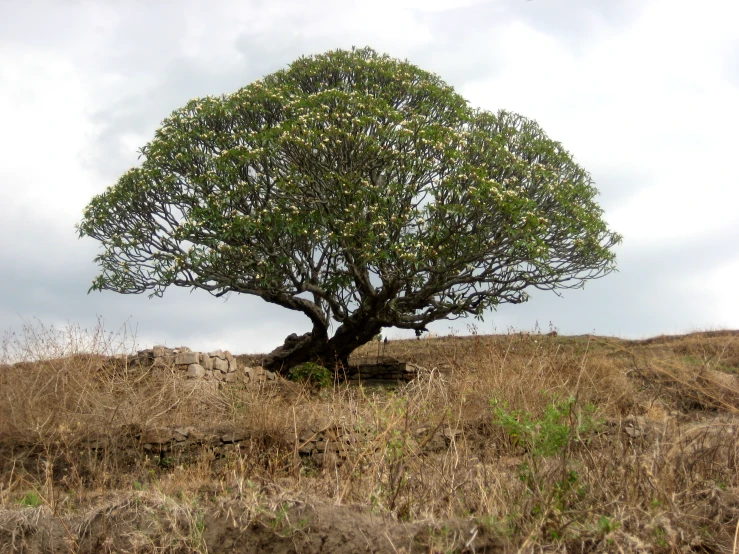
(187, 358)
(221, 365)
(195, 371)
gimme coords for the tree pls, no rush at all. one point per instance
(357, 189)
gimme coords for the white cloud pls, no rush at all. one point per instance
(718, 287)
(43, 104)
(644, 97)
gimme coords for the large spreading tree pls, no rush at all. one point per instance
(357, 189)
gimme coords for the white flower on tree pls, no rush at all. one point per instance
(357, 189)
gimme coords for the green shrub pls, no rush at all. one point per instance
(31, 500)
(548, 435)
(312, 373)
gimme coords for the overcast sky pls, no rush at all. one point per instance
(645, 94)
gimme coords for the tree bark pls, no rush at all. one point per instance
(294, 351)
(318, 348)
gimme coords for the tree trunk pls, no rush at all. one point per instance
(318, 348)
(294, 351)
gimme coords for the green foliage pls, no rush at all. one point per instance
(31, 500)
(607, 525)
(354, 188)
(279, 521)
(312, 373)
(548, 435)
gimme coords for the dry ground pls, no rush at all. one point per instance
(518, 442)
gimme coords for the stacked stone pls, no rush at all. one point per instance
(334, 442)
(218, 365)
(381, 372)
(321, 445)
(256, 375)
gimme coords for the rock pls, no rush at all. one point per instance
(159, 362)
(206, 361)
(181, 433)
(195, 371)
(307, 448)
(187, 358)
(179, 437)
(214, 366)
(633, 432)
(159, 350)
(232, 437)
(158, 435)
(195, 434)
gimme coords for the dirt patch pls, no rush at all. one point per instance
(145, 523)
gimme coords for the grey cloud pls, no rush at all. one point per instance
(731, 64)
(618, 185)
(181, 80)
(645, 297)
(47, 272)
(575, 21)
(456, 53)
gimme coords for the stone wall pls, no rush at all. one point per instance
(380, 371)
(217, 365)
(220, 365)
(333, 443)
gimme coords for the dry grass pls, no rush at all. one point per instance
(511, 442)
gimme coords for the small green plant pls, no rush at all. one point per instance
(281, 524)
(164, 462)
(661, 536)
(607, 525)
(313, 373)
(308, 468)
(548, 435)
(31, 500)
(504, 527)
(200, 524)
(568, 491)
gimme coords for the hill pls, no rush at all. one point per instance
(517, 442)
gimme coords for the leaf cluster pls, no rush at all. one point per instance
(351, 186)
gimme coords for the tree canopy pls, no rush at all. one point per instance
(357, 189)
